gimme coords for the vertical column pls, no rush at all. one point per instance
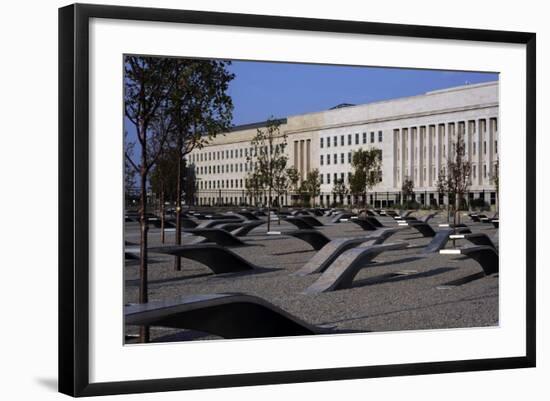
(296, 161)
(490, 146)
(411, 154)
(308, 152)
(429, 155)
(421, 156)
(302, 159)
(404, 134)
(395, 162)
(479, 150)
(438, 149)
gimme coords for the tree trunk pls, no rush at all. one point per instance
(269, 210)
(143, 271)
(177, 260)
(162, 217)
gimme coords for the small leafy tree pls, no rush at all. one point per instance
(407, 189)
(455, 180)
(293, 178)
(340, 190)
(200, 109)
(253, 185)
(269, 158)
(367, 171)
(311, 187)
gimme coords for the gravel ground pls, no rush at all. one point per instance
(396, 292)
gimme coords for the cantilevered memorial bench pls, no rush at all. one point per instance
(486, 256)
(217, 235)
(427, 231)
(240, 229)
(328, 254)
(374, 221)
(341, 216)
(299, 222)
(219, 259)
(311, 220)
(364, 224)
(313, 237)
(231, 316)
(216, 222)
(423, 219)
(481, 239)
(341, 273)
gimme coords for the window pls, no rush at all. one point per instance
(484, 147)
(474, 171)
(342, 177)
(372, 137)
(342, 158)
(349, 139)
(474, 149)
(496, 146)
(321, 160)
(328, 178)
(349, 177)
(341, 140)
(335, 158)
(322, 177)
(380, 136)
(357, 139)
(364, 137)
(335, 178)
(209, 169)
(335, 141)
(322, 142)
(349, 157)
(328, 159)
(484, 171)
(232, 153)
(241, 152)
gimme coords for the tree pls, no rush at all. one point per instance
(455, 178)
(130, 172)
(311, 186)
(269, 158)
(293, 179)
(408, 189)
(253, 185)
(367, 171)
(339, 189)
(495, 180)
(164, 182)
(148, 82)
(200, 109)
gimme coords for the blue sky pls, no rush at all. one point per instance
(262, 89)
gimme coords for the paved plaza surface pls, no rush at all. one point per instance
(398, 291)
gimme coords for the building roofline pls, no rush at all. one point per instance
(260, 124)
(350, 106)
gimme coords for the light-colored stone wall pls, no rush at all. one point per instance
(429, 122)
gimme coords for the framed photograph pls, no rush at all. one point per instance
(252, 199)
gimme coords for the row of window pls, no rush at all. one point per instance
(226, 168)
(327, 140)
(221, 184)
(229, 153)
(328, 159)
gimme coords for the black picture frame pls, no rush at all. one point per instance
(74, 200)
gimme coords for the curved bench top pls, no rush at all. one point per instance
(228, 315)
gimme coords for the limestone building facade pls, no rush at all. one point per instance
(415, 135)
